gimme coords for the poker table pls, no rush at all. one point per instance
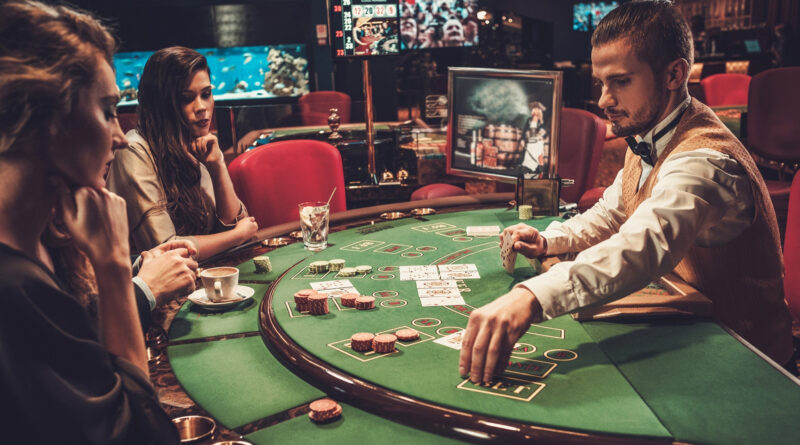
(255, 367)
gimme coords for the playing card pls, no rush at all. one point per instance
(508, 256)
(468, 275)
(341, 291)
(441, 301)
(448, 292)
(328, 285)
(458, 268)
(418, 273)
(434, 284)
(452, 340)
(483, 230)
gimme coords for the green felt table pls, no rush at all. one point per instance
(658, 380)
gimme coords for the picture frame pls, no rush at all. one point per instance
(503, 124)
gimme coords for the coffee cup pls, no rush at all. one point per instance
(220, 283)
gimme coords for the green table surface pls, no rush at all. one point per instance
(675, 380)
(355, 426)
(237, 380)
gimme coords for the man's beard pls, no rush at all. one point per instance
(643, 119)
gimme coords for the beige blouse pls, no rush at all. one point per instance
(133, 176)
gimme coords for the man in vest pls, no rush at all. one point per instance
(689, 199)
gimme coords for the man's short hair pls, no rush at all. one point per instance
(657, 32)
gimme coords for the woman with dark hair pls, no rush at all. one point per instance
(66, 376)
(173, 174)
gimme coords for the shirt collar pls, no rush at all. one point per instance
(662, 143)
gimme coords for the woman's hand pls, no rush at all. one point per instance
(206, 149)
(98, 223)
(246, 228)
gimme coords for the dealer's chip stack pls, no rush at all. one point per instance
(525, 211)
(262, 263)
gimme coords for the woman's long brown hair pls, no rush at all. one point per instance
(166, 130)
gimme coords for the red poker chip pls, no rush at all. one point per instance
(384, 343)
(349, 299)
(324, 409)
(407, 334)
(365, 302)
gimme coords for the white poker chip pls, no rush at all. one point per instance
(363, 269)
(336, 265)
(348, 272)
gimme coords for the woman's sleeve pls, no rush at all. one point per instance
(133, 176)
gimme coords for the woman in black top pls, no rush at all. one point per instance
(65, 377)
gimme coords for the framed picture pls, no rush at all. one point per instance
(503, 123)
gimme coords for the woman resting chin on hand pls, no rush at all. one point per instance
(173, 174)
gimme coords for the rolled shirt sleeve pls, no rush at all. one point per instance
(701, 196)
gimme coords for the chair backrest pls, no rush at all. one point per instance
(772, 124)
(318, 103)
(791, 250)
(581, 139)
(725, 89)
(274, 178)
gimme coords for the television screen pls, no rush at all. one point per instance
(438, 23)
(241, 72)
(586, 16)
(752, 46)
(503, 123)
(364, 28)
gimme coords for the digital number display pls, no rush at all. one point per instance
(364, 28)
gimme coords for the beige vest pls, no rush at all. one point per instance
(743, 278)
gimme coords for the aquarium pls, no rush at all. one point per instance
(242, 72)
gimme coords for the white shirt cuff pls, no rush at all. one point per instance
(151, 299)
(549, 293)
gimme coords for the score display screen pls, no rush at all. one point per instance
(364, 28)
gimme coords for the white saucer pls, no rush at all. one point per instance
(199, 298)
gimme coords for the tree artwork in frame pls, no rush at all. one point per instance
(503, 123)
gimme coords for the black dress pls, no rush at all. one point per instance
(58, 384)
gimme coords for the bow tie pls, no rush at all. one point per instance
(640, 148)
(643, 148)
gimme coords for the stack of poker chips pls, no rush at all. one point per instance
(365, 302)
(349, 299)
(361, 342)
(363, 269)
(525, 211)
(407, 334)
(347, 272)
(324, 409)
(262, 264)
(336, 265)
(318, 304)
(383, 343)
(318, 267)
(301, 299)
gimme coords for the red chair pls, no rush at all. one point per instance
(581, 144)
(791, 251)
(315, 107)
(437, 190)
(274, 178)
(725, 89)
(772, 127)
